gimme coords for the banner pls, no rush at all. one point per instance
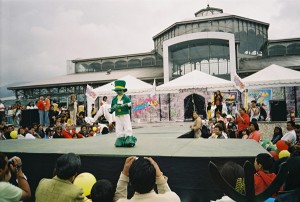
(260, 96)
(238, 83)
(229, 97)
(144, 104)
(90, 93)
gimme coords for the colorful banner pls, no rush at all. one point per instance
(229, 97)
(239, 84)
(90, 93)
(144, 104)
(260, 96)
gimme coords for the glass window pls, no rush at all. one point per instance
(146, 62)
(277, 50)
(134, 63)
(95, 67)
(107, 65)
(121, 64)
(293, 49)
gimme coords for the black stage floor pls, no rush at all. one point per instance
(184, 161)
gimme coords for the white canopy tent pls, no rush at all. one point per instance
(273, 76)
(134, 87)
(195, 80)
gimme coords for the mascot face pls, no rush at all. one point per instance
(120, 92)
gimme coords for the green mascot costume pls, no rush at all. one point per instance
(121, 105)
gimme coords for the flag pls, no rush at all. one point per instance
(238, 83)
(154, 88)
(90, 93)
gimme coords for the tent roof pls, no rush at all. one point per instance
(133, 85)
(193, 80)
(273, 76)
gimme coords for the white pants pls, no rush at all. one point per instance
(73, 117)
(123, 126)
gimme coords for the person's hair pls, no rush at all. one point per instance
(255, 125)
(292, 123)
(20, 129)
(104, 97)
(242, 108)
(293, 178)
(253, 101)
(232, 173)
(222, 124)
(81, 113)
(67, 166)
(142, 175)
(3, 161)
(266, 160)
(247, 131)
(219, 126)
(102, 191)
(279, 128)
(82, 127)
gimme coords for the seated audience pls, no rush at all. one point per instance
(290, 136)
(277, 134)
(102, 191)
(231, 127)
(254, 131)
(291, 187)
(69, 132)
(9, 192)
(143, 174)
(58, 132)
(83, 131)
(61, 188)
(218, 132)
(245, 133)
(263, 177)
(32, 134)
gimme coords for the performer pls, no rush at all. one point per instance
(121, 105)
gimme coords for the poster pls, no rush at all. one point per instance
(229, 97)
(260, 96)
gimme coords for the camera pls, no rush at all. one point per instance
(11, 162)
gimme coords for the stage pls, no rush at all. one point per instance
(184, 161)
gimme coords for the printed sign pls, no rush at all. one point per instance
(144, 104)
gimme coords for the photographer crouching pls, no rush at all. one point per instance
(9, 192)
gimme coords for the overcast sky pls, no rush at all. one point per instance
(38, 36)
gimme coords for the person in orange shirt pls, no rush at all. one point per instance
(254, 131)
(47, 108)
(41, 107)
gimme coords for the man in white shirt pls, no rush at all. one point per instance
(2, 111)
(290, 136)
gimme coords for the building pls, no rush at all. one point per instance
(214, 42)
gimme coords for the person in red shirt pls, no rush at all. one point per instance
(41, 107)
(47, 108)
(242, 120)
(254, 131)
(69, 132)
(263, 177)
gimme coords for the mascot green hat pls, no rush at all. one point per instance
(120, 85)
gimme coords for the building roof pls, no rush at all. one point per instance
(217, 16)
(93, 77)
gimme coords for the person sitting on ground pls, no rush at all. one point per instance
(9, 192)
(277, 134)
(81, 119)
(231, 126)
(197, 125)
(83, 131)
(48, 133)
(102, 191)
(32, 134)
(263, 177)
(21, 133)
(223, 124)
(218, 132)
(245, 133)
(61, 188)
(40, 131)
(294, 148)
(69, 132)
(290, 137)
(254, 131)
(292, 183)
(58, 132)
(143, 174)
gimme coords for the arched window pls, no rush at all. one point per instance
(107, 65)
(134, 63)
(121, 64)
(277, 50)
(293, 49)
(146, 62)
(95, 66)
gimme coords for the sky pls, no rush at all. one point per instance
(37, 37)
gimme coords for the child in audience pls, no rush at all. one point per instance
(263, 177)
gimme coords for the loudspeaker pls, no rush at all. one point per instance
(278, 110)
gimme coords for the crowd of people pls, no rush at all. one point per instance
(143, 174)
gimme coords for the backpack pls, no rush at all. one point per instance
(205, 131)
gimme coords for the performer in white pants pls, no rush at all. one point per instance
(121, 105)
